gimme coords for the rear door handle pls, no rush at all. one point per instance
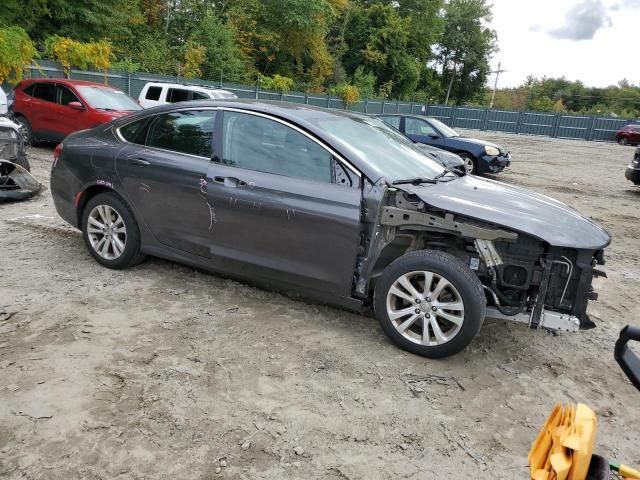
(139, 161)
(230, 182)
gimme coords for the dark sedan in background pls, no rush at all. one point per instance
(633, 171)
(479, 156)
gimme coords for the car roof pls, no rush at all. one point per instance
(65, 81)
(186, 87)
(302, 115)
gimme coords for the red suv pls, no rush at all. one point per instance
(628, 135)
(51, 109)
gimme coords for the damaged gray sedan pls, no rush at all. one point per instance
(335, 206)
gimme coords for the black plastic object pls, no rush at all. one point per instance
(598, 468)
(629, 362)
(16, 183)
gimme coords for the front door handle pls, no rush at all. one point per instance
(230, 182)
(139, 161)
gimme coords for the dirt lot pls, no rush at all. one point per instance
(164, 372)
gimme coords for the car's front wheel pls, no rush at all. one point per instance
(623, 141)
(111, 232)
(469, 162)
(430, 303)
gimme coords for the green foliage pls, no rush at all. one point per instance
(223, 58)
(365, 82)
(16, 52)
(348, 93)
(465, 48)
(393, 48)
(277, 82)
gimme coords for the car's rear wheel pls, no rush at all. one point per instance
(469, 162)
(430, 303)
(111, 232)
(623, 141)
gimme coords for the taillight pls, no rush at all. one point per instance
(57, 151)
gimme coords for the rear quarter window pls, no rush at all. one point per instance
(153, 93)
(135, 132)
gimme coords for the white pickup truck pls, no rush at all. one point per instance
(153, 94)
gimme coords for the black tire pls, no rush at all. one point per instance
(467, 157)
(131, 254)
(624, 141)
(26, 128)
(466, 284)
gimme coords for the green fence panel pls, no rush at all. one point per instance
(502, 121)
(535, 123)
(604, 129)
(571, 126)
(530, 123)
(440, 112)
(468, 117)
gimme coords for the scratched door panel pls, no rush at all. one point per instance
(168, 195)
(288, 230)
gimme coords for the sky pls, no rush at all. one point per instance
(595, 41)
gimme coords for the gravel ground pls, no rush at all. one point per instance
(161, 371)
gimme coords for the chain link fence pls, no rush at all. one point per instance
(555, 125)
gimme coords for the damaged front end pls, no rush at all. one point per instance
(16, 183)
(526, 278)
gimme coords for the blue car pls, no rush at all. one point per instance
(479, 156)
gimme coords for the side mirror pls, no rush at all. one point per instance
(75, 105)
(629, 362)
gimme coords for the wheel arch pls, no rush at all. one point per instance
(87, 194)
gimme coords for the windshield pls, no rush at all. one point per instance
(223, 94)
(384, 147)
(105, 98)
(444, 129)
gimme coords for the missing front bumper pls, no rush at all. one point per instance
(548, 319)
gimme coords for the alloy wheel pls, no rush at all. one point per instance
(425, 308)
(468, 164)
(107, 232)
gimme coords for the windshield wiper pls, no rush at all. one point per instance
(414, 181)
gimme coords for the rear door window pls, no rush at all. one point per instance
(187, 131)
(178, 95)
(153, 93)
(135, 132)
(45, 91)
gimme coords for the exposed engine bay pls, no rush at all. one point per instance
(525, 279)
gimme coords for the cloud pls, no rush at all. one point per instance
(631, 3)
(583, 20)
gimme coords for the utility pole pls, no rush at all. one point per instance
(495, 84)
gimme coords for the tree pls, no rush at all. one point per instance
(16, 52)
(377, 39)
(194, 56)
(465, 48)
(223, 58)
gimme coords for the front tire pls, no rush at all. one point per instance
(26, 129)
(111, 232)
(470, 164)
(430, 303)
(624, 141)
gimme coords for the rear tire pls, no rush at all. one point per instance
(110, 232)
(430, 303)
(624, 141)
